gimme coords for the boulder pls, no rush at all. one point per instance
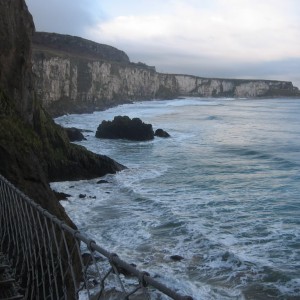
(122, 127)
(102, 181)
(74, 134)
(161, 133)
(61, 195)
(176, 257)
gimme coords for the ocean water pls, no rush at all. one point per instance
(223, 192)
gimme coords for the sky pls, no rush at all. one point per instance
(255, 39)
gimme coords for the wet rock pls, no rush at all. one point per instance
(161, 133)
(225, 256)
(61, 196)
(176, 257)
(102, 181)
(122, 127)
(74, 134)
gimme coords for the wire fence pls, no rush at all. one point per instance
(53, 261)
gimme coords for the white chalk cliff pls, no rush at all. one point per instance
(71, 79)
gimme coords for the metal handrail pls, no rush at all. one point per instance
(54, 261)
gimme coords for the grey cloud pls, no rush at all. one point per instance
(167, 62)
(62, 16)
(74, 16)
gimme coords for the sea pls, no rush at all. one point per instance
(223, 192)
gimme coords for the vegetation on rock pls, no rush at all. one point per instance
(77, 46)
(74, 134)
(33, 149)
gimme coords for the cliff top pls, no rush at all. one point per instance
(77, 46)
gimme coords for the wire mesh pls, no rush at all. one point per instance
(53, 261)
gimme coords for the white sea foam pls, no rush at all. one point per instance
(222, 192)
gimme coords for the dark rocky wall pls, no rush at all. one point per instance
(33, 149)
(16, 80)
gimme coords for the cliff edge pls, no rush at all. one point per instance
(73, 45)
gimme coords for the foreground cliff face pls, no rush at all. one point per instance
(33, 149)
(70, 81)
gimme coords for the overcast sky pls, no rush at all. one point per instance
(213, 38)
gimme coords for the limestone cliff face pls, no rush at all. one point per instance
(69, 83)
(72, 84)
(207, 87)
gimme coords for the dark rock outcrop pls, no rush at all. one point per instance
(176, 257)
(102, 181)
(74, 134)
(161, 133)
(61, 196)
(122, 127)
(33, 149)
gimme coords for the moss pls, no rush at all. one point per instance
(6, 107)
(21, 136)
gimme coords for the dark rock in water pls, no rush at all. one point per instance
(61, 196)
(161, 133)
(74, 134)
(102, 181)
(225, 256)
(82, 196)
(122, 127)
(176, 257)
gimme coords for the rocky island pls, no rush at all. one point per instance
(75, 75)
(122, 127)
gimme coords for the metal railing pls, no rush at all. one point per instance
(53, 261)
